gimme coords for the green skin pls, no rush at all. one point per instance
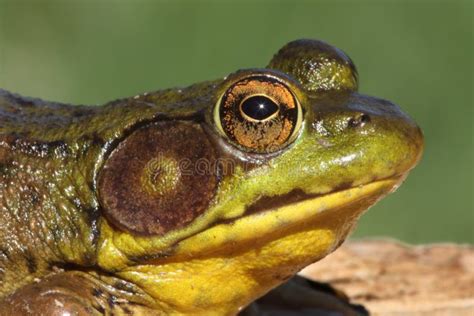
(51, 155)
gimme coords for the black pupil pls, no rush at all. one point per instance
(259, 107)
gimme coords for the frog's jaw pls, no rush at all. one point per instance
(216, 270)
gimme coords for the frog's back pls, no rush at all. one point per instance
(22, 115)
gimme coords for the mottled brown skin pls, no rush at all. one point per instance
(67, 171)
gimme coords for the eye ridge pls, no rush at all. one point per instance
(259, 108)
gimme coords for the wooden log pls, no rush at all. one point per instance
(390, 278)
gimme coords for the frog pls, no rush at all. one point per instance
(192, 201)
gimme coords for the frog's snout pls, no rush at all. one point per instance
(375, 134)
(398, 140)
(415, 139)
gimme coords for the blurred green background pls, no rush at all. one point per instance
(418, 54)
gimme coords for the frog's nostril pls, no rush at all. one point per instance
(359, 120)
(364, 118)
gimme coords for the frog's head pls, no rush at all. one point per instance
(268, 173)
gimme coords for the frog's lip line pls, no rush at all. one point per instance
(297, 196)
(305, 211)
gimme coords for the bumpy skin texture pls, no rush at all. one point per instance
(99, 196)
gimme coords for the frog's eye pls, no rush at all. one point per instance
(259, 114)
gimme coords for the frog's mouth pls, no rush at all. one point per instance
(298, 198)
(275, 216)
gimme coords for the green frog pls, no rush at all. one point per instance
(192, 201)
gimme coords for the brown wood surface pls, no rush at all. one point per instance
(391, 278)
